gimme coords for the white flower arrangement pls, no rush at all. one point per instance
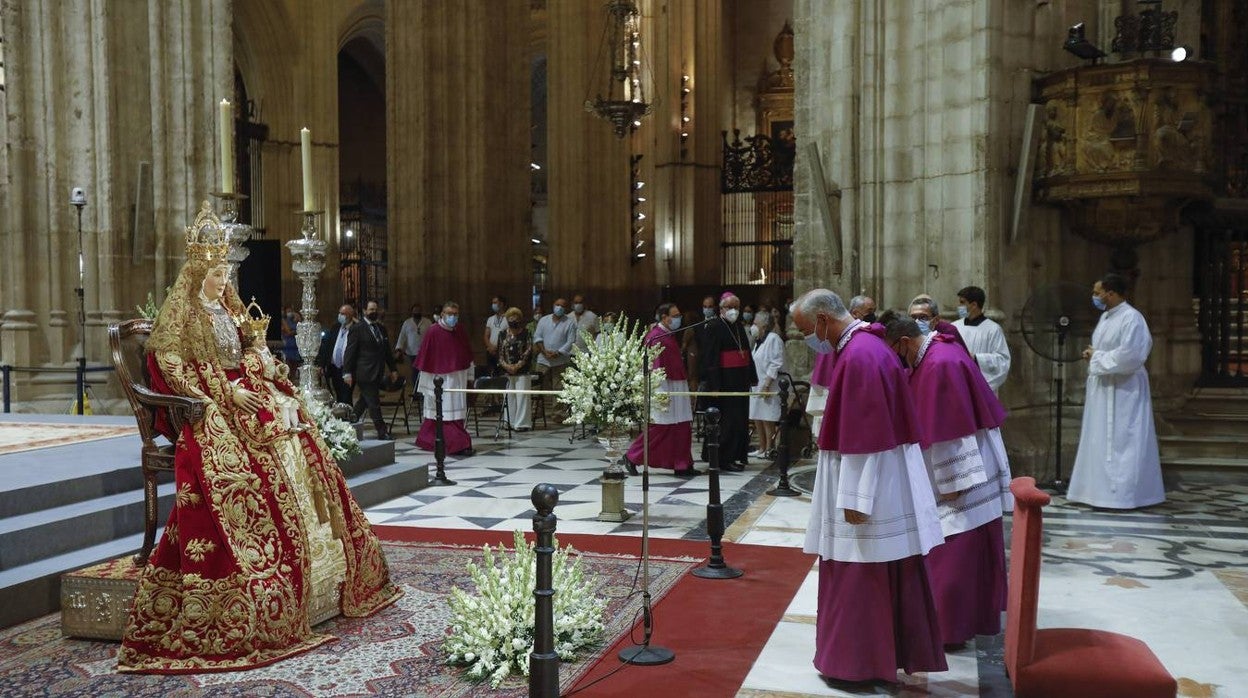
(605, 385)
(492, 631)
(339, 435)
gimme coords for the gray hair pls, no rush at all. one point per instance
(765, 320)
(924, 299)
(858, 301)
(821, 300)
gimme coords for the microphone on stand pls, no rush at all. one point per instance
(645, 654)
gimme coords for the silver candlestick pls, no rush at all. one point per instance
(309, 262)
(235, 233)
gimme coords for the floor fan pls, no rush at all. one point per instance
(1057, 324)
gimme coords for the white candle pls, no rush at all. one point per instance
(306, 142)
(227, 147)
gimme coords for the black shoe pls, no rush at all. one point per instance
(385, 436)
(465, 453)
(732, 468)
(686, 474)
(632, 467)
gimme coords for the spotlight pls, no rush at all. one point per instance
(639, 185)
(535, 166)
(1078, 45)
(1181, 53)
(349, 233)
(536, 241)
(641, 199)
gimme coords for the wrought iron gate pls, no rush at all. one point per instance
(757, 208)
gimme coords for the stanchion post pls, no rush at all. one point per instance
(544, 660)
(715, 567)
(8, 387)
(782, 488)
(81, 383)
(439, 438)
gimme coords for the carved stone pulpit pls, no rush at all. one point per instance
(1125, 147)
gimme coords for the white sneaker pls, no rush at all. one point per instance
(757, 453)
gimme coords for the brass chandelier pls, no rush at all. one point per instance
(625, 100)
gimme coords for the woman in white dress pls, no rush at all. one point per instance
(768, 363)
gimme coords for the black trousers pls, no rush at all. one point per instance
(340, 389)
(370, 399)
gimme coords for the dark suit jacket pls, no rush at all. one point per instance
(325, 353)
(367, 359)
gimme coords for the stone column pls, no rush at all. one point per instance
(458, 120)
(588, 174)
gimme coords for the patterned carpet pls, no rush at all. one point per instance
(16, 437)
(395, 653)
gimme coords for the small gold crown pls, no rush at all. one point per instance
(255, 326)
(205, 238)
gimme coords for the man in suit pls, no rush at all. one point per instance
(367, 357)
(333, 352)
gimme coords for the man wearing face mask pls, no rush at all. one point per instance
(694, 344)
(873, 515)
(446, 353)
(747, 319)
(553, 341)
(586, 320)
(670, 429)
(1117, 466)
(365, 363)
(925, 312)
(495, 325)
(333, 351)
(862, 308)
(960, 423)
(728, 366)
(985, 339)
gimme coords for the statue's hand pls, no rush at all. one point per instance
(247, 400)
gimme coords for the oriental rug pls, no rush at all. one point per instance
(393, 653)
(16, 437)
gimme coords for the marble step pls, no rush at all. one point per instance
(32, 589)
(1213, 446)
(1197, 424)
(1197, 467)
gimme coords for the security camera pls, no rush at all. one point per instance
(78, 196)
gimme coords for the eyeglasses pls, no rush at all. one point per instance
(920, 318)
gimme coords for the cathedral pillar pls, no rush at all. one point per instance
(458, 122)
(588, 174)
(690, 77)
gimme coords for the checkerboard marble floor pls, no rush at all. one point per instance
(1175, 576)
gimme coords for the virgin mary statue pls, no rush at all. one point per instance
(264, 535)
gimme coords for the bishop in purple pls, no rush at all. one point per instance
(873, 514)
(445, 352)
(670, 429)
(959, 422)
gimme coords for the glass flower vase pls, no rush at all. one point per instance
(615, 446)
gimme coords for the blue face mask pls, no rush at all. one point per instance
(963, 311)
(819, 346)
(747, 317)
(559, 311)
(1098, 302)
(708, 313)
(675, 323)
(342, 319)
(494, 307)
(925, 326)
(450, 320)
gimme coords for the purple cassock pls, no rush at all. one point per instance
(670, 429)
(445, 352)
(876, 614)
(960, 420)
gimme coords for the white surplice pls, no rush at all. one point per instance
(986, 342)
(1118, 466)
(892, 488)
(454, 405)
(679, 407)
(977, 466)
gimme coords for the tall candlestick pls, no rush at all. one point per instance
(306, 143)
(227, 147)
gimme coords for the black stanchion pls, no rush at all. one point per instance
(782, 488)
(8, 387)
(544, 660)
(715, 567)
(439, 440)
(81, 381)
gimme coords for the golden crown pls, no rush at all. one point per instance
(257, 325)
(205, 238)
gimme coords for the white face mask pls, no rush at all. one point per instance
(732, 314)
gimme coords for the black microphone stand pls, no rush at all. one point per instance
(646, 654)
(1059, 369)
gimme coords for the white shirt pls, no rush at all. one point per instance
(340, 346)
(1118, 465)
(496, 324)
(410, 335)
(986, 342)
